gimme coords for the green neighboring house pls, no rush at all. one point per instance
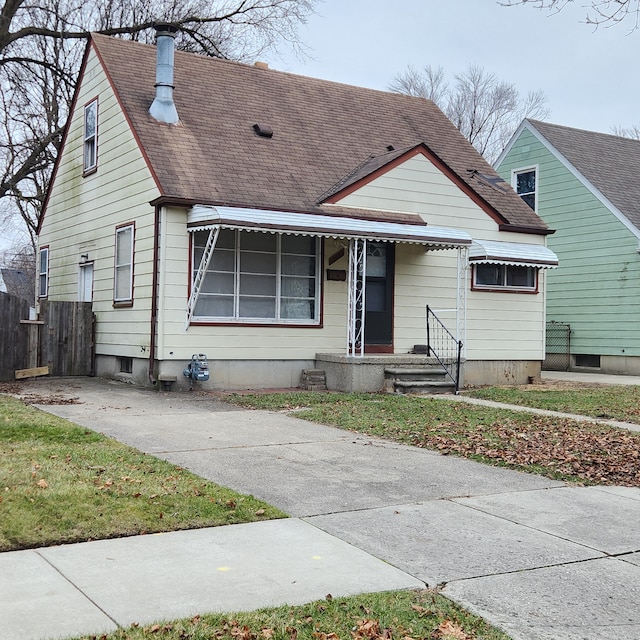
(585, 185)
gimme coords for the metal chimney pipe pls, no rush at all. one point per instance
(163, 108)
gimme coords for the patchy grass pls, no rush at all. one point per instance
(62, 483)
(620, 402)
(403, 615)
(557, 448)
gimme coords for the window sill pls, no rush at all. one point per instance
(123, 304)
(255, 323)
(504, 289)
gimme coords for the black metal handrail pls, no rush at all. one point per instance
(443, 346)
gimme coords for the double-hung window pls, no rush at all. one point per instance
(525, 183)
(90, 152)
(43, 272)
(123, 270)
(256, 277)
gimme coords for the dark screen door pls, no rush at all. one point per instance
(378, 322)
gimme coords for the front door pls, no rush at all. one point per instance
(378, 322)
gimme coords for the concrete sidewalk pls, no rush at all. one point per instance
(539, 559)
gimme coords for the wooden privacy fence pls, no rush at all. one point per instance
(60, 342)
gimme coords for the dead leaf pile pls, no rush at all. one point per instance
(586, 451)
(34, 398)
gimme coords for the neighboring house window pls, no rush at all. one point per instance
(90, 137)
(505, 277)
(259, 277)
(123, 275)
(43, 273)
(525, 183)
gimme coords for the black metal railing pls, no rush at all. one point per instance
(443, 346)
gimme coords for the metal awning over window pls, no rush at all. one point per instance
(512, 253)
(202, 217)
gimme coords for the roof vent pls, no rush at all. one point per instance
(163, 108)
(390, 147)
(263, 130)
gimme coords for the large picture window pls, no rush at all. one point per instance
(123, 271)
(90, 155)
(504, 276)
(259, 277)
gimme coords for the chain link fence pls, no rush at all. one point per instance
(558, 347)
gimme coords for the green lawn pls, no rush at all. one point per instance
(400, 615)
(558, 448)
(620, 402)
(62, 483)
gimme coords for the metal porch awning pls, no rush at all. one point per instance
(512, 253)
(201, 217)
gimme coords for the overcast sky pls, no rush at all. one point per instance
(590, 77)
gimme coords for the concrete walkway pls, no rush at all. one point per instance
(537, 558)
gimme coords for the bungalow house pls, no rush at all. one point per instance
(280, 224)
(583, 184)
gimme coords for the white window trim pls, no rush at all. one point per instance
(119, 265)
(43, 274)
(505, 287)
(236, 319)
(527, 169)
(90, 139)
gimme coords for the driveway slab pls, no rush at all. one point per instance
(37, 602)
(442, 541)
(347, 474)
(595, 600)
(581, 515)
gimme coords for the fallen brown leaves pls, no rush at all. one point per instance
(589, 452)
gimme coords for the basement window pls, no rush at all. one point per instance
(125, 364)
(590, 361)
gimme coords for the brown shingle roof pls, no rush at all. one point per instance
(610, 163)
(322, 132)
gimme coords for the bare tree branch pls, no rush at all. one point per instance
(599, 12)
(486, 110)
(41, 45)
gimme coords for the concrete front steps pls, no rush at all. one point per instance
(418, 380)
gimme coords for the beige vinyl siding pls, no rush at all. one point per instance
(82, 215)
(499, 326)
(417, 186)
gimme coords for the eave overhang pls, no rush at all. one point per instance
(512, 253)
(202, 217)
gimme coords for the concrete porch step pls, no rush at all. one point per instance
(417, 371)
(427, 380)
(313, 380)
(424, 386)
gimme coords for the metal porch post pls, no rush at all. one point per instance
(356, 297)
(461, 296)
